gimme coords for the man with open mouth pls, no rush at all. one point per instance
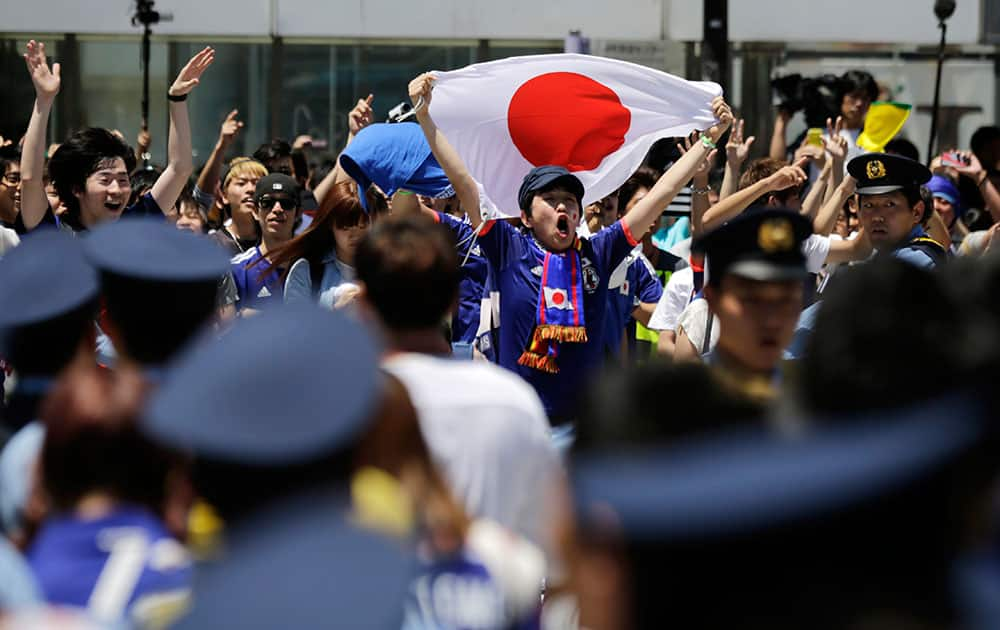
(554, 284)
(892, 210)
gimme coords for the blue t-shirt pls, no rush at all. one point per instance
(255, 286)
(110, 563)
(641, 285)
(459, 593)
(516, 262)
(914, 256)
(465, 324)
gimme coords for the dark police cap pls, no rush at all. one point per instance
(878, 173)
(290, 384)
(542, 177)
(46, 276)
(742, 482)
(277, 184)
(152, 249)
(760, 244)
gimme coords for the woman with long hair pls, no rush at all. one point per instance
(320, 261)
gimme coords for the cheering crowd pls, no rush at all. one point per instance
(296, 390)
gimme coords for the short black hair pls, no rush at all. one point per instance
(142, 180)
(79, 157)
(902, 146)
(982, 137)
(859, 81)
(410, 270)
(270, 153)
(645, 177)
(9, 154)
(157, 318)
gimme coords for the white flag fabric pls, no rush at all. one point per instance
(595, 116)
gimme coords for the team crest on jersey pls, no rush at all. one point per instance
(624, 288)
(590, 276)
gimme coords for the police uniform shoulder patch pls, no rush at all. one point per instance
(875, 169)
(776, 235)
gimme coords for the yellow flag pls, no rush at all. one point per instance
(883, 122)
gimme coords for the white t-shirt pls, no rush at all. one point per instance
(675, 298)
(488, 433)
(694, 321)
(816, 248)
(8, 240)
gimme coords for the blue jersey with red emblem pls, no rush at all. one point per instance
(516, 260)
(640, 285)
(109, 564)
(255, 286)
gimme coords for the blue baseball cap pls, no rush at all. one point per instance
(290, 384)
(542, 177)
(47, 275)
(941, 186)
(152, 249)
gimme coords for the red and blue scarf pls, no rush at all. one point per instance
(560, 310)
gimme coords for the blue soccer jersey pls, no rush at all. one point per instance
(516, 262)
(640, 285)
(465, 324)
(256, 287)
(111, 565)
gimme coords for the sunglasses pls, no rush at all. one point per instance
(287, 203)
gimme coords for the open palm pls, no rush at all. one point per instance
(190, 74)
(46, 81)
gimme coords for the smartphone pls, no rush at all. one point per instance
(954, 159)
(814, 136)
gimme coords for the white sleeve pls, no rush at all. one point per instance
(671, 303)
(694, 322)
(816, 248)
(298, 284)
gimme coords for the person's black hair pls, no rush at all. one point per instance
(301, 166)
(79, 157)
(319, 172)
(982, 137)
(9, 154)
(45, 348)
(902, 146)
(410, 270)
(645, 177)
(903, 346)
(859, 81)
(142, 180)
(270, 153)
(156, 318)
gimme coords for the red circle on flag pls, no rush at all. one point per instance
(567, 119)
(558, 298)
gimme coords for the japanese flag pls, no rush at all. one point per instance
(557, 298)
(595, 116)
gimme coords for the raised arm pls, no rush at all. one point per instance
(465, 186)
(209, 177)
(737, 152)
(973, 169)
(357, 119)
(699, 183)
(736, 203)
(33, 200)
(641, 217)
(779, 145)
(171, 182)
(826, 218)
(812, 202)
(836, 151)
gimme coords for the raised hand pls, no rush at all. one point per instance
(971, 166)
(834, 143)
(738, 149)
(190, 74)
(46, 81)
(362, 115)
(420, 90)
(788, 176)
(722, 112)
(230, 127)
(143, 140)
(705, 167)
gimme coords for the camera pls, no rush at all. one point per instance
(401, 113)
(818, 97)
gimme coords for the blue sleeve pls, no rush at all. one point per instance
(461, 230)
(498, 241)
(145, 206)
(48, 219)
(915, 257)
(647, 286)
(239, 273)
(611, 245)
